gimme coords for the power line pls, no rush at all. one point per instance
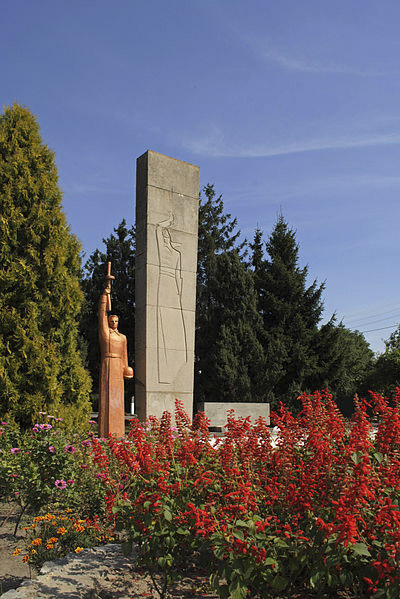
(384, 309)
(382, 314)
(376, 321)
(381, 329)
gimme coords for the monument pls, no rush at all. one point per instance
(113, 367)
(167, 194)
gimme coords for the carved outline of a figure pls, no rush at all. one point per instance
(171, 333)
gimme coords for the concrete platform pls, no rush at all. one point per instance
(217, 412)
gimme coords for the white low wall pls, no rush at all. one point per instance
(217, 412)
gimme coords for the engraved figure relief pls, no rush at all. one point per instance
(171, 333)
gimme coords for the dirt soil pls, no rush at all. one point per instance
(12, 570)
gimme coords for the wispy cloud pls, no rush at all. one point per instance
(291, 59)
(214, 144)
(309, 65)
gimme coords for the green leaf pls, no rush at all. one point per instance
(167, 515)
(280, 542)
(214, 581)
(315, 579)
(126, 547)
(237, 589)
(241, 523)
(360, 549)
(293, 564)
(279, 582)
(269, 561)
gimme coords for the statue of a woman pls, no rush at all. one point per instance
(113, 368)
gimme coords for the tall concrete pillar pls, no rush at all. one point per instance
(167, 193)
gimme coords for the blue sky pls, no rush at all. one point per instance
(286, 106)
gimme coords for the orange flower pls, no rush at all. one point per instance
(79, 528)
(25, 558)
(78, 549)
(62, 530)
(17, 552)
(36, 542)
(53, 540)
(49, 546)
(68, 510)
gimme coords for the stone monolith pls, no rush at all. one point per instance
(167, 193)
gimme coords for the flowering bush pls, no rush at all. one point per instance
(52, 536)
(316, 508)
(42, 468)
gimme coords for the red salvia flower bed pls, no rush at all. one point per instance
(314, 508)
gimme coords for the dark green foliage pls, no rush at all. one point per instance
(216, 234)
(357, 364)
(227, 351)
(291, 312)
(384, 376)
(301, 355)
(120, 251)
(232, 368)
(40, 298)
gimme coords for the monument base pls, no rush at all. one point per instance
(217, 412)
(155, 404)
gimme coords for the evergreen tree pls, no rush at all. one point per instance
(301, 355)
(291, 312)
(216, 234)
(232, 368)
(384, 376)
(40, 298)
(120, 250)
(356, 363)
(257, 263)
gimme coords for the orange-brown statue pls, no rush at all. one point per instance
(113, 369)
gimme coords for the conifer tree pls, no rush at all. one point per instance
(291, 312)
(224, 309)
(233, 366)
(300, 354)
(120, 250)
(40, 298)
